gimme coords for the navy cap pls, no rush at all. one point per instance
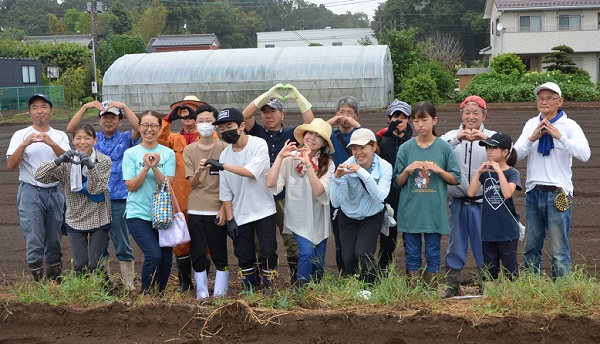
(112, 111)
(40, 96)
(498, 140)
(229, 115)
(274, 103)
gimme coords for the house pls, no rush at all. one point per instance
(208, 41)
(465, 75)
(19, 72)
(531, 28)
(303, 38)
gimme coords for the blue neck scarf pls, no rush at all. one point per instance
(546, 142)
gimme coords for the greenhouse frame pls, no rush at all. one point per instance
(234, 77)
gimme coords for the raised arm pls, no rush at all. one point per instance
(257, 103)
(78, 116)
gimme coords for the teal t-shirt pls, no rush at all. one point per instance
(139, 202)
(422, 206)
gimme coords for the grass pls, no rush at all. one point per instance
(528, 295)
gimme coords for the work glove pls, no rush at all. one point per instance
(86, 161)
(293, 93)
(65, 157)
(174, 114)
(391, 128)
(273, 92)
(232, 229)
(214, 163)
(191, 112)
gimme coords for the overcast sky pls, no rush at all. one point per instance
(343, 6)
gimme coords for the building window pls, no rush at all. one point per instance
(337, 44)
(28, 74)
(269, 45)
(530, 23)
(569, 22)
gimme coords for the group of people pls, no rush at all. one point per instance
(307, 181)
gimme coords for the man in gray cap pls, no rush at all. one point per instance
(41, 206)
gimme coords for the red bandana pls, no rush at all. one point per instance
(314, 161)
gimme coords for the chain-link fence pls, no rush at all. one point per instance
(14, 98)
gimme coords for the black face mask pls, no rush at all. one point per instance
(230, 136)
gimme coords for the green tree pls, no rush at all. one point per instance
(26, 15)
(442, 77)
(125, 44)
(508, 64)
(123, 21)
(73, 79)
(559, 60)
(78, 22)
(420, 88)
(10, 47)
(57, 27)
(151, 22)
(105, 55)
(63, 55)
(404, 52)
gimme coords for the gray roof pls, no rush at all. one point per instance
(79, 39)
(473, 71)
(186, 40)
(530, 4)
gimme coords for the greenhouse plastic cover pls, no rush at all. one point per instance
(234, 77)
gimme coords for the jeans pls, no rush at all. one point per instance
(88, 248)
(359, 240)
(413, 244)
(311, 258)
(544, 219)
(41, 215)
(157, 260)
(204, 231)
(465, 226)
(495, 252)
(119, 233)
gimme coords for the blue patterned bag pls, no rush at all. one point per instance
(162, 207)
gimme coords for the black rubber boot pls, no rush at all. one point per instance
(249, 280)
(268, 279)
(453, 283)
(184, 273)
(53, 272)
(38, 272)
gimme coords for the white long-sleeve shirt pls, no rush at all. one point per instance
(554, 169)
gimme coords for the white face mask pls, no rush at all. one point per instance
(205, 129)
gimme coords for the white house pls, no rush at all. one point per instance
(302, 38)
(531, 28)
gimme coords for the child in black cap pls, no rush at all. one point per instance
(499, 220)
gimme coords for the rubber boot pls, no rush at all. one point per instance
(37, 272)
(293, 263)
(127, 274)
(258, 271)
(430, 278)
(184, 273)
(221, 283)
(53, 272)
(452, 282)
(268, 279)
(414, 277)
(481, 278)
(201, 285)
(249, 280)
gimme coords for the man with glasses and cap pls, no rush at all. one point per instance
(276, 134)
(41, 206)
(114, 143)
(550, 141)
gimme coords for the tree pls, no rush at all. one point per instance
(560, 60)
(444, 48)
(123, 22)
(105, 55)
(125, 44)
(78, 22)
(508, 64)
(26, 15)
(57, 27)
(73, 79)
(152, 21)
(62, 55)
(404, 52)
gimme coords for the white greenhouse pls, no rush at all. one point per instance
(234, 77)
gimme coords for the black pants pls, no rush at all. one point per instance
(339, 262)
(244, 250)
(203, 231)
(359, 240)
(387, 245)
(495, 252)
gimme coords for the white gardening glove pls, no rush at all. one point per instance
(273, 92)
(302, 102)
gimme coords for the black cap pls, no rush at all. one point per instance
(498, 140)
(40, 96)
(229, 115)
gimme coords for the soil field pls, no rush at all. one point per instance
(187, 322)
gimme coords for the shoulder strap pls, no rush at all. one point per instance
(338, 134)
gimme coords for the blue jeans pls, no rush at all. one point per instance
(157, 260)
(465, 226)
(311, 258)
(544, 219)
(119, 233)
(41, 215)
(413, 245)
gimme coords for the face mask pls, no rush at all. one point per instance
(205, 129)
(230, 136)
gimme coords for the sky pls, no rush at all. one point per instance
(354, 6)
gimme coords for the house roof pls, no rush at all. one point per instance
(473, 71)
(79, 39)
(186, 40)
(532, 4)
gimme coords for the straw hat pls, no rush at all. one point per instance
(190, 100)
(318, 126)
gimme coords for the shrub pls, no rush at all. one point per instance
(507, 64)
(420, 88)
(444, 79)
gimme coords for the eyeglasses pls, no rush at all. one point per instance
(547, 99)
(148, 125)
(345, 113)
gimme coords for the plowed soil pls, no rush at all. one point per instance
(236, 322)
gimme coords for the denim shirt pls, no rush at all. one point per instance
(114, 147)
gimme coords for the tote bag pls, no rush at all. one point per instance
(162, 206)
(177, 233)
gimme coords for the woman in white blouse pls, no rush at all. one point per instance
(306, 174)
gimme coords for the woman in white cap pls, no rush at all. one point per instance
(359, 188)
(306, 172)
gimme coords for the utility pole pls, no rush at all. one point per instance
(402, 23)
(94, 8)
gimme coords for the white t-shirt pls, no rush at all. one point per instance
(36, 153)
(250, 197)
